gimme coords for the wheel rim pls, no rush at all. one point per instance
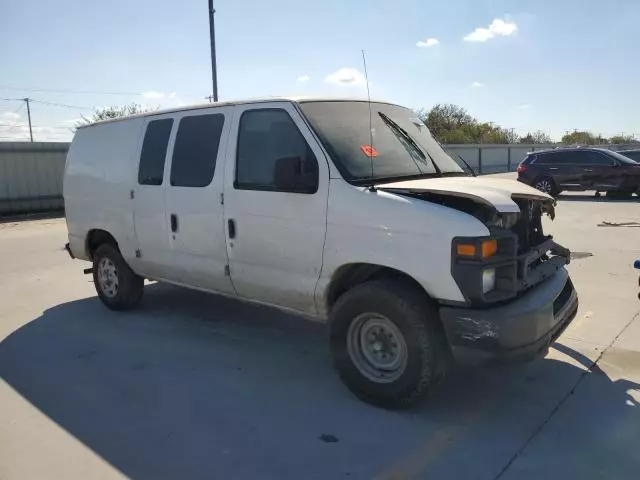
(108, 277)
(544, 185)
(377, 347)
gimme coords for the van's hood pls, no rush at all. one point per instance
(495, 192)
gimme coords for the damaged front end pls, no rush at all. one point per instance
(518, 296)
(521, 255)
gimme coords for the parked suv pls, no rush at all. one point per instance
(579, 169)
(347, 211)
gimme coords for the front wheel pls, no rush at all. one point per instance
(117, 285)
(386, 343)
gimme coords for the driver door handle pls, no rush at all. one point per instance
(231, 228)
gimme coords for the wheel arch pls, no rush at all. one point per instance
(97, 237)
(352, 274)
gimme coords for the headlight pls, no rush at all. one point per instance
(488, 280)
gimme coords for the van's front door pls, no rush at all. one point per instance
(194, 210)
(276, 187)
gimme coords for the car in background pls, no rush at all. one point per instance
(632, 154)
(580, 169)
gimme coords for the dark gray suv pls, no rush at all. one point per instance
(579, 169)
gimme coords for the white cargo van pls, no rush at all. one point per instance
(341, 209)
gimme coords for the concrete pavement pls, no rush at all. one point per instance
(197, 386)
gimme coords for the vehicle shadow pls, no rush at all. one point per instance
(199, 386)
(591, 197)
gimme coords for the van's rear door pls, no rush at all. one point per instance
(194, 204)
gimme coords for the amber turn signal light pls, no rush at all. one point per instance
(488, 248)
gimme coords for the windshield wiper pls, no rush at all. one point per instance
(409, 139)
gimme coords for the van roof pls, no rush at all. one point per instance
(200, 106)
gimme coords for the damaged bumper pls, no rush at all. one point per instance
(519, 330)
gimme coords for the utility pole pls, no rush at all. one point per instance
(212, 35)
(27, 100)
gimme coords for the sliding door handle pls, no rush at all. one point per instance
(174, 222)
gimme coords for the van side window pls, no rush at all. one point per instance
(154, 151)
(266, 136)
(195, 150)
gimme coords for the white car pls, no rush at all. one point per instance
(345, 210)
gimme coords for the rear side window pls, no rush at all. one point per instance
(195, 150)
(154, 152)
(596, 158)
(557, 157)
(529, 159)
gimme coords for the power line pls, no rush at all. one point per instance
(35, 126)
(55, 90)
(53, 104)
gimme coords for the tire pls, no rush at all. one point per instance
(388, 305)
(546, 185)
(619, 194)
(117, 285)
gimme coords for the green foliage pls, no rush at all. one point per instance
(108, 113)
(582, 138)
(537, 137)
(453, 124)
(622, 139)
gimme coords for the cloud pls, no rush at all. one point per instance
(524, 106)
(304, 78)
(429, 42)
(16, 129)
(152, 95)
(477, 85)
(498, 28)
(10, 116)
(350, 77)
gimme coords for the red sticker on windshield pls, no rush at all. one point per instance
(369, 151)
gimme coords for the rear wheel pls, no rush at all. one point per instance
(546, 185)
(620, 194)
(386, 343)
(117, 285)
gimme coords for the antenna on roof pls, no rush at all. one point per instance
(370, 150)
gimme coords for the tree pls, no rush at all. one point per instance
(582, 138)
(622, 139)
(453, 124)
(537, 137)
(107, 113)
(449, 123)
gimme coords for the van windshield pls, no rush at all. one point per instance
(402, 145)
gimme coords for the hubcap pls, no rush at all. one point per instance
(108, 277)
(544, 185)
(377, 347)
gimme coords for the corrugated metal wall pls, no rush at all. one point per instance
(31, 176)
(494, 158)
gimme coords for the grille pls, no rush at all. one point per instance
(528, 228)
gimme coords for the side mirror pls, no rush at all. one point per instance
(288, 176)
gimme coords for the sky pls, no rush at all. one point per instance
(550, 65)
